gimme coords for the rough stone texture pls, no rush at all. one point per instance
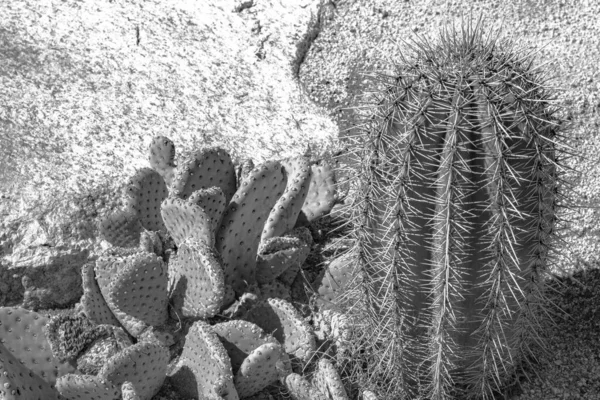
(86, 86)
(42, 276)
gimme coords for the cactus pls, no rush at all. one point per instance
(203, 369)
(257, 359)
(258, 370)
(212, 200)
(94, 305)
(186, 220)
(328, 381)
(334, 281)
(239, 235)
(137, 293)
(21, 333)
(18, 382)
(275, 289)
(144, 364)
(144, 193)
(128, 392)
(87, 387)
(204, 169)
(240, 338)
(198, 282)
(277, 254)
(321, 194)
(121, 228)
(300, 388)
(453, 216)
(287, 325)
(284, 213)
(162, 158)
(70, 335)
(152, 242)
(243, 169)
(91, 360)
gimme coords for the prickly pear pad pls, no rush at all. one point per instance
(128, 392)
(240, 338)
(212, 201)
(275, 289)
(283, 321)
(162, 158)
(321, 193)
(138, 293)
(288, 276)
(94, 305)
(239, 235)
(301, 389)
(19, 382)
(144, 365)
(87, 387)
(284, 214)
(22, 333)
(143, 194)
(109, 263)
(198, 281)
(151, 242)
(276, 255)
(328, 381)
(206, 168)
(186, 220)
(91, 360)
(121, 228)
(258, 370)
(332, 281)
(203, 369)
(243, 169)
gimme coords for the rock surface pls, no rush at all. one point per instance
(85, 88)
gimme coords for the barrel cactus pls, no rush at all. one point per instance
(453, 213)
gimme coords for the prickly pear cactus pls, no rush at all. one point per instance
(321, 194)
(121, 228)
(284, 213)
(18, 382)
(162, 158)
(134, 288)
(198, 282)
(204, 169)
(257, 358)
(87, 387)
(288, 326)
(203, 369)
(186, 220)
(144, 192)
(277, 254)
(22, 334)
(239, 235)
(144, 365)
(453, 215)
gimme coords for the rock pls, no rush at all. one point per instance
(199, 73)
(42, 277)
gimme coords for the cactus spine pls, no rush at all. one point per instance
(454, 215)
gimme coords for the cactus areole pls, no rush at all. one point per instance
(454, 213)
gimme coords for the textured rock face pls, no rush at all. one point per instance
(79, 108)
(42, 276)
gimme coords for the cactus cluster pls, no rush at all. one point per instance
(194, 289)
(455, 175)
